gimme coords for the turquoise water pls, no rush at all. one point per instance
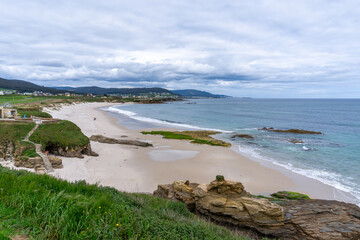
(333, 158)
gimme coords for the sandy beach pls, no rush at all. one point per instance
(139, 169)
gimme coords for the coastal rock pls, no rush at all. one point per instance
(242, 136)
(28, 162)
(320, 220)
(73, 152)
(293, 131)
(87, 151)
(102, 139)
(181, 191)
(55, 162)
(295, 141)
(227, 203)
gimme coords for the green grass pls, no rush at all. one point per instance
(14, 131)
(290, 195)
(60, 134)
(19, 99)
(29, 150)
(200, 137)
(43, 207)
(34, 113)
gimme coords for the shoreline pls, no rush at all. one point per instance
(136, 169)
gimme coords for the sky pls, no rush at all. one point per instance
(282, 48)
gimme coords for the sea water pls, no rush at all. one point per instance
(333, 157)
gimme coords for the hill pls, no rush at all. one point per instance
(192, 93)
(24, 86)
(102, 91)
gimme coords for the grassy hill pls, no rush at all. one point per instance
(193, 93)
(102, 91)
(24, 86)
(64, 134)
(42, 207)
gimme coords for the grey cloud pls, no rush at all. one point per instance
(263, 48)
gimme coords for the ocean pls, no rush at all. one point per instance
(332, 158)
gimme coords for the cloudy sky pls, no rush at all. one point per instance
(280, 48)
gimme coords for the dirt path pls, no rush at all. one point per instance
(43, 156)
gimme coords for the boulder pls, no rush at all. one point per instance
(227, 203)
(55, 162)
(102, 139)
(181, 191)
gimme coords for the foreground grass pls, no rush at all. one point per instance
(43, 207)
(64, 134)
(200, 137)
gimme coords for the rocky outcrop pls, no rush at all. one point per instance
(293, 131)
(182, 191)
(227, 203)
(55, 162)
(102, 139)
(37, 162)
(28, 162)
(242, 136)
(72, 152)
(320, 220)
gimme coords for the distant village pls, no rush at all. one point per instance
(68, 94)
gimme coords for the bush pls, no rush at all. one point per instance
(220, 178)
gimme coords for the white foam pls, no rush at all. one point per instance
(328, 178)
(247, 129)
(306, 148)
(161, 122)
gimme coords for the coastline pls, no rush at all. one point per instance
(136, 169)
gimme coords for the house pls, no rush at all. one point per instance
(2, 93)
(7, 113)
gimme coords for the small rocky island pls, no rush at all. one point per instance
(293, 131)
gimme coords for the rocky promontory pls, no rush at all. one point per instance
(227, 203)
(75, 151)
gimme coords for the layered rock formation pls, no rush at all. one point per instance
(28, 162)
(55, 162)
(227, 203)
(72, 152)
(102, 139)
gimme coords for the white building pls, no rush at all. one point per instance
(7, 113)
